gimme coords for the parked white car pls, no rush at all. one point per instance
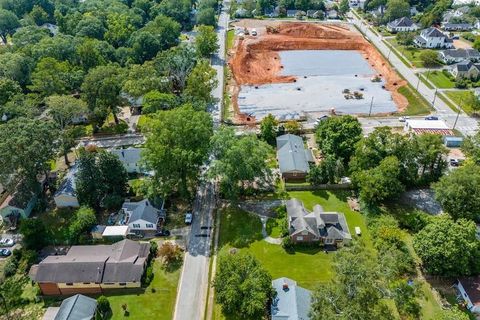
(6, 242)
(188, 218)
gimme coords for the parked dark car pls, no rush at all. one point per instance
(5, 252)
(431, 118)
(162, 233)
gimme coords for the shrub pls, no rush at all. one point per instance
(148, 276)
(287, 243)
(169, 252)
(10, 268)
(103, 307)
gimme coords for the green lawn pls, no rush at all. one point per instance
(143, 120)
(410, 53)
(462, 99)
(417, 105)
(308, 266)
(439, 79)
(157, 302)
(230, 38)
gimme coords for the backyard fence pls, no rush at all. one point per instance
(308, 187)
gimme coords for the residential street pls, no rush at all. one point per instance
(465, 124)
(193, 286)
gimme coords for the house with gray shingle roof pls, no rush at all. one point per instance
(66, 196)
(329, 228)
(142, 216)
(457, 26)
(458, 55)
(433, 38)
(130, 158)
(77, 307)
(291, 301)
(466, 70)
(294, 160)
(404, 24)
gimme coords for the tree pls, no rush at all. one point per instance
(177, 144)
(344, 7)
(88, 183)
(476, 43)
(397, 9)
(430, 157)
(471, 147)
(206, 41)
(101, 90)
(448, 248)
(144, 78)
(34, 234)
(8, 89)
(29, 35)
(178, 10)
(91, 27)
(200, 83)
(84, 220)
(176, 65)
(330, 170)
(114, 179)
(337, 136)
(268, 129)
(27, 146)
(53, 77)
(459, 192)
(38, 15)
(380, 183)
(429, 58)
(8, 23)
(120, 27)
(155, 101)
(293, 127)
(242, 286)
(356, 291)
(405, 38)
(166, 30)
(242, 161)
(453, 314)
(206, 16)
(15, 66)
(405, 297)
(103, 307)
(91, 53)
(64, 110)
(170, 252)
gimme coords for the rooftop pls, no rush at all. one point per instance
(77, 307)
(292, 155)
(292, 302)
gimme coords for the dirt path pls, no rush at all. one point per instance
(256, 61)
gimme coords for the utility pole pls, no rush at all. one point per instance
(418, 83)
(389, 51)
(434, 97)
(371, 105)
(456, 119)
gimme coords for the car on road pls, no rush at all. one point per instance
(455, 162)
(188, 218)
(253, 32)
(6, 242)
(403, 119)
(5, 252)
(431, 118)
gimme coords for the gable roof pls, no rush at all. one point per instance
(466, 65)
(142, 210)
(322, 224)
(122, 261)
(77, 307)
(433, 33)
(292, 155)
(291, 302)
(67, 187)
(130, 155)
(401, 22)
(461, 53)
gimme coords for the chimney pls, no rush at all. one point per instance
(285, 286)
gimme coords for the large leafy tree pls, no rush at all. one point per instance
(16, 66)
(269, 129)
(83, 222)
(448, 248)
(178, 10)
(91, 27)
(54, 77)
(34, 234)
(120, 26)
(91, 53)
(471, 147)
(8, 89)
(380, 183)
(240, 162)
(29, 35)
(8, 23)
(142, 79)
(176, 64)
(64, 110)
(177, 144)
(459, 192)
(200, 83)
(397, 9)
(114, 178)
(88, 182)
(101, 90)
(242, 286)
(155, 101)
(431, 153)
(356, 291)
(337, 136)
(26, 146)
(206, 41)
(61, 47)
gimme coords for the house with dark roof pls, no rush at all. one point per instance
(466, 70)
(433, 38)
(458, 55)
(92, 269)
(66, 196)
(457, 26)
(291, 301)
(328, 228)
(18, 204)
(77, 307)
(141, 217)
(130, 158)
(404, 24)
(469, 290)
(294, 160)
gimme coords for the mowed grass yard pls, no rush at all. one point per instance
(417, 105)
(462, 99)
(439, 79)
(308, 266)
(157, 302)
(410, 53)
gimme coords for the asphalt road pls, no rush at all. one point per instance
(465, 124)
(193, 285)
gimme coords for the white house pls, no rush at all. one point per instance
(141, 217)
(402, 25)
(466, 70)
(458, 55)
(433, 38)
(469, 289)
(356, 4)
(66, 195)
(427, 126)
(130, 158)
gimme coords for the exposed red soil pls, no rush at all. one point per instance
(256, 61)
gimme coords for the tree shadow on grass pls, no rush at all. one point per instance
(305, 249)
